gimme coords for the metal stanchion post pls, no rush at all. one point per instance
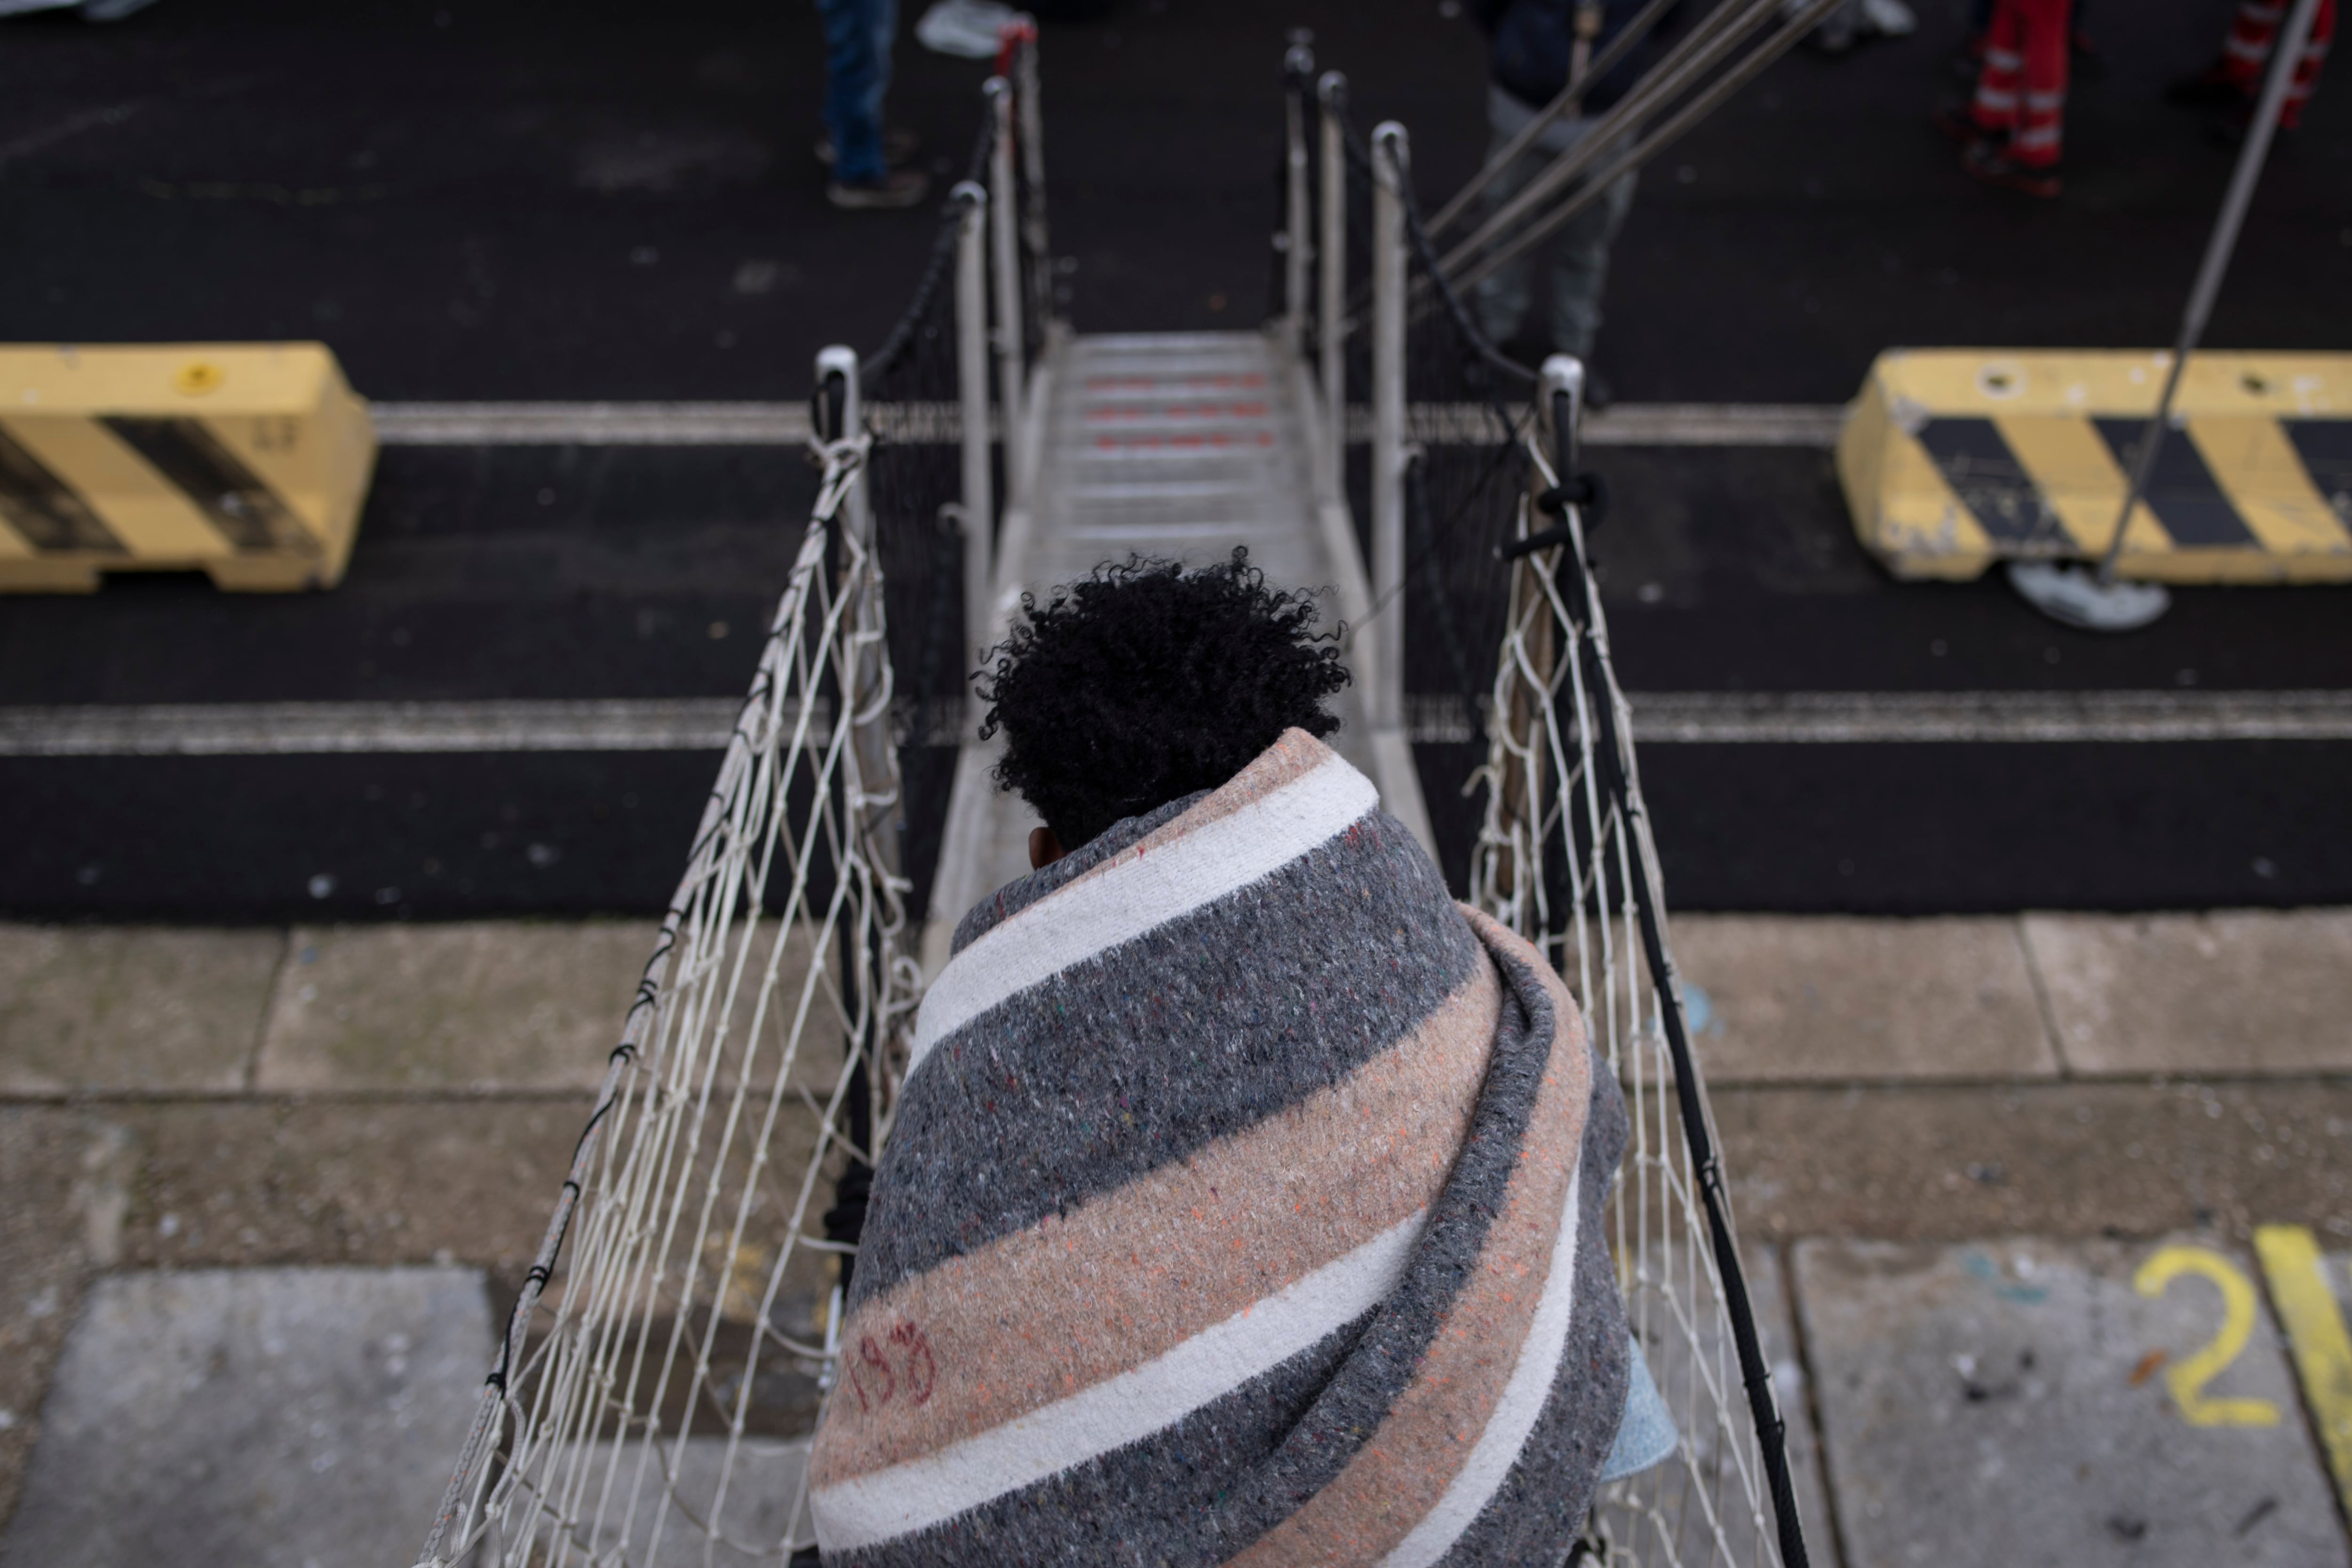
(857, 510)
(859, 672)
(1331, 262)
(972, 392)
(1032, 113)
(1389, 169)
(1004, 203)
(1297, 69)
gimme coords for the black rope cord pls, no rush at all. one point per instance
(882, 361)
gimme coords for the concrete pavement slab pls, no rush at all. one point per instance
(62, 1180)
(2224, 993)
(2038, 1403)
(482, 1006)
(402, 1182)
(259, 1419)
(495, 1007)
(1951, 1163)
(1793, 998)
(1658, 1515)
(145, 1009)
(472, 1181)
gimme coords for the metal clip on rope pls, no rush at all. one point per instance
(1587, 492)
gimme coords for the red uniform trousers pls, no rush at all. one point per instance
(2246, 54)
(2022, 87)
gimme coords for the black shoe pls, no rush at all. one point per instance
(900, 188)
(1993, 164)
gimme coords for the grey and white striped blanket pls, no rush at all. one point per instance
(1244, 1205)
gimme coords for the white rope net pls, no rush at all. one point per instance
(1564, 838)
(659, 1375)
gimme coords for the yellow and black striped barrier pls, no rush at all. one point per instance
(247, 462)
(1952, 459)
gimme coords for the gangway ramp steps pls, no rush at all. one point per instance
(1180, 446)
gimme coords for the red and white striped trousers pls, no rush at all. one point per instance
(2253, 31)
(2023, 87)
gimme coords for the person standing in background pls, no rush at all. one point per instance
(857, 39)
(1532, 46)
(2013, 130)
(2234, 82)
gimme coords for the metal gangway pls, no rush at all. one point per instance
(678, 1330)
(1180, 446)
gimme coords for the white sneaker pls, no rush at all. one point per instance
(1889, 18)
(967, 27)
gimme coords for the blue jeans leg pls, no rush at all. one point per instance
(858, 38)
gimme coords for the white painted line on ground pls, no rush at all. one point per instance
(1629, 424)
(1999, 717)
(1786, 719)
(262, 730)
(787, 424)
(1717, 425)
(703, 724)
(590, 424)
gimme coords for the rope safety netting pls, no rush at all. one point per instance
(674, 1337)
(1565, 856)
(1559, 843)
(654, 1382)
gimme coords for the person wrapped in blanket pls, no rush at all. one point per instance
(1243, 1202)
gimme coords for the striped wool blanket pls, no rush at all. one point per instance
(1244, 1206)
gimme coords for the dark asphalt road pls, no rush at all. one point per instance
(531, 201)
(534, 199)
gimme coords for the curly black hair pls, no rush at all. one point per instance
(1143, 682)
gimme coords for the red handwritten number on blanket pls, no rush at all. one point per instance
(879, 1373)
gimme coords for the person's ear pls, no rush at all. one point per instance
(1045, 849)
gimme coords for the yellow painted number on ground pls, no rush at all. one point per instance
(2186, 1378)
